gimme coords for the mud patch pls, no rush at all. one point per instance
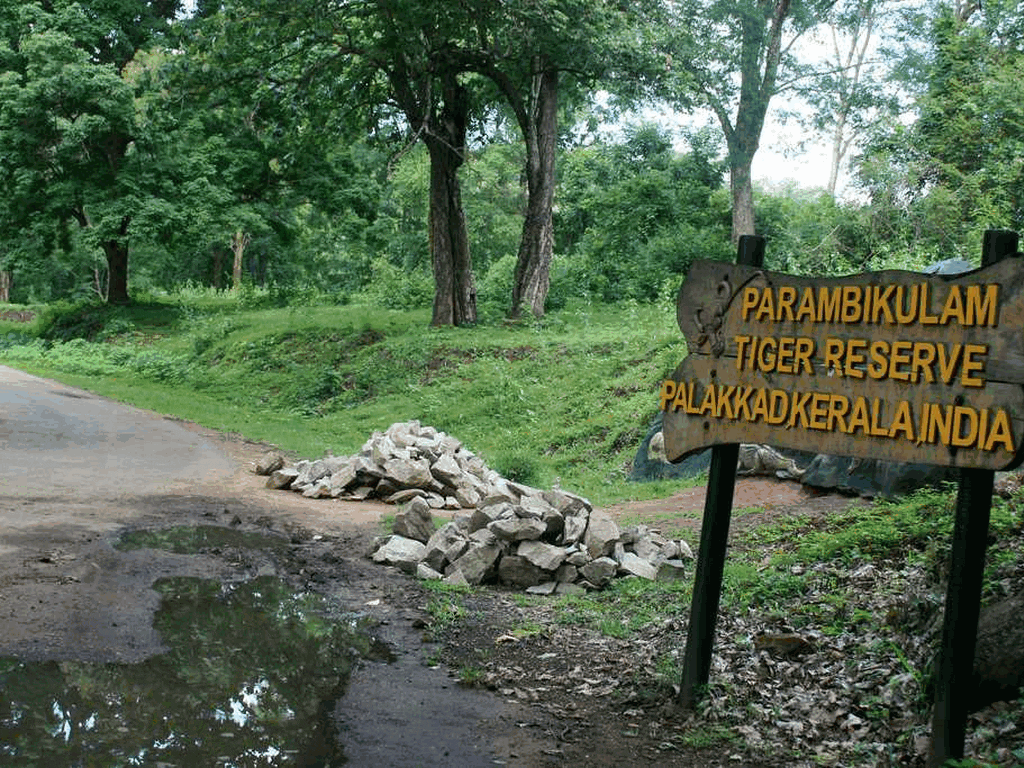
(193, 539)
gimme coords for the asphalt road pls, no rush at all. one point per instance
(56, 439)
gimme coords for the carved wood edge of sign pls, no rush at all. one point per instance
(890, 365)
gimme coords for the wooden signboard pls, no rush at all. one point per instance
(887, 365)
(891, 365)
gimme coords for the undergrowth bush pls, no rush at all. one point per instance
(394, 288)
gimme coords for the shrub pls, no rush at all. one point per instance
(394, 288)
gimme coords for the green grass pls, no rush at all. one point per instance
(569, 397)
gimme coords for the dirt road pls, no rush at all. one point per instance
(78, 470)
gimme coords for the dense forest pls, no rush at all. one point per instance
(486, 159)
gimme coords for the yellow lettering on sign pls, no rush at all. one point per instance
(879, 366)
(707, 405)
(855, 360)
(921, 363)
(880, 304)
(837, 409)
(964, 416)
(806, 309)
(748, 302)
(876, 411)
(766, 307)
(982, 309)
(779, 405)
(971, 365)
(668, 392)
(925, 304)
(903, 421)
(900, 357)
(760, 409)
(1000, 434)
(828, 304)
(859, 418)
(787, 298)
(954, 309)
(852, 306)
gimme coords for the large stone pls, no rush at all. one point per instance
(321, 489)
(472, 465)
(447, 444)
(533, 506)
(456, 579)
(410, 473)
(648, 545)
(573, 528)
(670, 570)
(405, 495)
(566, 573)
(999, 657)
(282, 479)
(600, 572)
(577, 556)
(440, 542)
(478, 564)
(487, 513)
(426, 573)
(400, 552)
(415, 521)
(466, 495)
(268, 463)
(602, 534)
(311, 472)
(517, 571)
(554, 524)
(456, 550)
(567, 503)
(547, 588)
(542, 555)
(517, 529)
(635, 565)
(367, 470)
(343, 478)
(447, 470)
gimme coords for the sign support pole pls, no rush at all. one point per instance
(714, 536)
(963, 595)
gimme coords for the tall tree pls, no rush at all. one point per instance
(379, 66)
(533, 53)
(73, 147)
(851, 97)
(730, 57)
(956, 168)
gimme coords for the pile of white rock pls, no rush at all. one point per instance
(501, 531)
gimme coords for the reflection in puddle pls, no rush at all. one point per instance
(251, 678)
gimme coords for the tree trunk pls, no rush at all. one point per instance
(117, 271)
(239, 241)
(5, 286)
(741, 184)
(760, 53)
(533, 266)
(454, 290)
(116, 251)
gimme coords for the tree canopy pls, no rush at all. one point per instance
(251, 142)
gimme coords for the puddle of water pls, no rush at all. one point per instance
(251, 678)
(192, 539)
